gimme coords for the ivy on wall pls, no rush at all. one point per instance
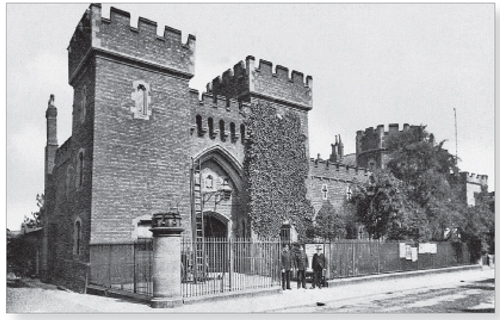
(276, 166)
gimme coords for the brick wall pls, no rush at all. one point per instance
(139, 165)
(221, 109)
(336, 178)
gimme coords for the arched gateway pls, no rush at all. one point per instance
(222, 196)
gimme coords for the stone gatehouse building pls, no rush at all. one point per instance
(142, 138)
(138, 131)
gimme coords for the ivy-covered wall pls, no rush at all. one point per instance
(276, 166)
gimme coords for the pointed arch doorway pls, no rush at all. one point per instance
(218, 170)
(215, 225)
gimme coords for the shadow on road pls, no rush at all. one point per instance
(485, 310)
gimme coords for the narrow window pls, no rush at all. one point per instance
(232, 131)
(348, 193)
(144, 97)
(78, 233)
(222, 129)
(211, 127)
(80, 165)
(142, 107)
(77, 238)
(209, 182)
(199, 125)
(83, 105)
(242, 133)
(324, 192)
(69, 173)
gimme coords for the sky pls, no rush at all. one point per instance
(371, 64)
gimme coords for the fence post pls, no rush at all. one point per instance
(166, 228)
(135, 279)
(378, 257)
(354, 259)
(230, 256)
(110, 262)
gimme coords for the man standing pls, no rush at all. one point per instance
(285, 268)
(301, 263)
(318, 265)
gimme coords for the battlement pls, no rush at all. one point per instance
(232, 84)
(115, 37)
(480, 179)
(244, 79)
(208, 101)
(380, 130)
(328, 170)
(373, 138)
(328, 164)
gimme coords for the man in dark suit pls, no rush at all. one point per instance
(285, 268)
(318, 265)
(301, 263)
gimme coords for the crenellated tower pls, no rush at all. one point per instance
(472, 184)
(129, 151)
(247, 83)
(371, 149)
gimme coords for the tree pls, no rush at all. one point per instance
(477, 226)
(379, 204)
(427, 172)
(36, 217)
(276, 166)
(329, 225)
(434, 192)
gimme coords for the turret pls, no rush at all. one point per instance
(380, 134)
(51, 146)
(341, 149)
(359, 137)
(49, 187)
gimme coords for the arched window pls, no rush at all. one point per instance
(211, 128)
(83, 104)
(142, 98)
(209, 182)
(242, 133)
(80, 166)
(77, 237)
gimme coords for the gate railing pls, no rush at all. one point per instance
(123, 266)
(241, 264)
(351, 258)
(230, 265)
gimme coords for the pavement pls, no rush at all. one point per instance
(65, 301)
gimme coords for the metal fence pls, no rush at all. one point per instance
(231, 265)
(347, 258)
(127, 266)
